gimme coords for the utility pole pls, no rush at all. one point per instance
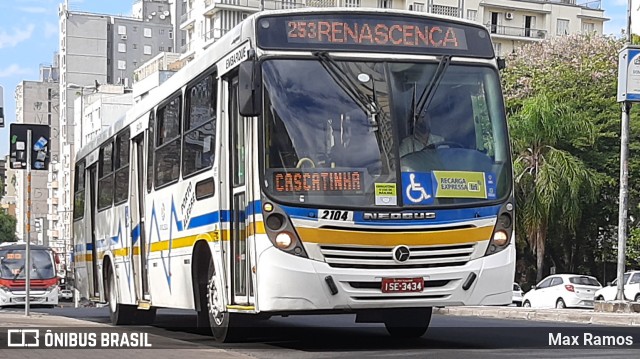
(27, 264)
(27, 155)
(624, 158)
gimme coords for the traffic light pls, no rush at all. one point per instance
(39, 146)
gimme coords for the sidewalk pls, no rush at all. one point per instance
(580, 316)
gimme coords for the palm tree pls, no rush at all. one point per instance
(550, 183)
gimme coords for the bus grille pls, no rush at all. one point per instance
(371, 257)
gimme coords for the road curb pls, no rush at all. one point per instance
(545, 315)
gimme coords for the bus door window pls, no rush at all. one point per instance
(242, 289)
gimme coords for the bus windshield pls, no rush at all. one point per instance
(369, 134)
(12, 264)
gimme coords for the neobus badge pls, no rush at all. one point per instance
(395, 216)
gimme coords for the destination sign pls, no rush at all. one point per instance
(374, 33)
(322, 181)
(365, 32)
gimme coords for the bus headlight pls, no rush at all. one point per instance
(503, 230)
(280, 230)
(500, 238)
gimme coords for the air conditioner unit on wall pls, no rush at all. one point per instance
(508, 15)
(123, 37)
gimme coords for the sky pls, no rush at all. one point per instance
(29, 37)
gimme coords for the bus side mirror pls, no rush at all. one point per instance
(249, 94)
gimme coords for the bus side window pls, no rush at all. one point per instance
(150, 147)
(198, 147)
(105, 175)
(78, 196)
(167, 153)
(122, 167)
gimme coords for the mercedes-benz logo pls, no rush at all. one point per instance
(401, 254)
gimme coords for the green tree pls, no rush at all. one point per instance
(549, 181)
(579, 72)
(7, 227)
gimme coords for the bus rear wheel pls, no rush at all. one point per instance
(226, 327)
(408, 323)
(120, 314)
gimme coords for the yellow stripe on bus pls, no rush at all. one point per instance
(337, 236)
(181, 242)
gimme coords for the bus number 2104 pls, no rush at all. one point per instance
(335, 215)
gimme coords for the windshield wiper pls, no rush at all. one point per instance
(19, 271)
(366, 103)
(422, 104)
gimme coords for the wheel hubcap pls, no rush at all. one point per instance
(213, 297)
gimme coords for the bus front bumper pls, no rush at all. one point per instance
(287, 283)
(18, 298)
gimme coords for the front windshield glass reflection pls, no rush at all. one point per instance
(353, 133)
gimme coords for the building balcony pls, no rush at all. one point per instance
(52, 217)
(213, 6)
(187, 21)
(53, 200)
(187, 50)
(52, 185)
(53, 233)
(521, 33)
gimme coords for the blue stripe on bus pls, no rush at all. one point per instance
(135, 233)
(442, 216)
(204, 219)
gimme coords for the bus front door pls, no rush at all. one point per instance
(240, 253)
(139, 250)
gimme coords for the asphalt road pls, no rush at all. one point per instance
(338, 336)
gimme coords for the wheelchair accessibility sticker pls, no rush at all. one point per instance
(417, 188)
(421, 188)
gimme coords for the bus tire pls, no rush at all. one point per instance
(120, 314)
(408, 323)
(226, 327)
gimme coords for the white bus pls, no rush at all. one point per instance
(43, 281)
(309, 161)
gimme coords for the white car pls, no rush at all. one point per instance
(631, 288)
(516, 298)
(66, 294)
(563, 291)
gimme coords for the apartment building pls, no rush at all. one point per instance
(36, 103)
(98, 49)
(511, 22)
(8, 201)
(99, 110)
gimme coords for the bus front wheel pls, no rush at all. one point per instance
(408, 323)
(226, 327)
